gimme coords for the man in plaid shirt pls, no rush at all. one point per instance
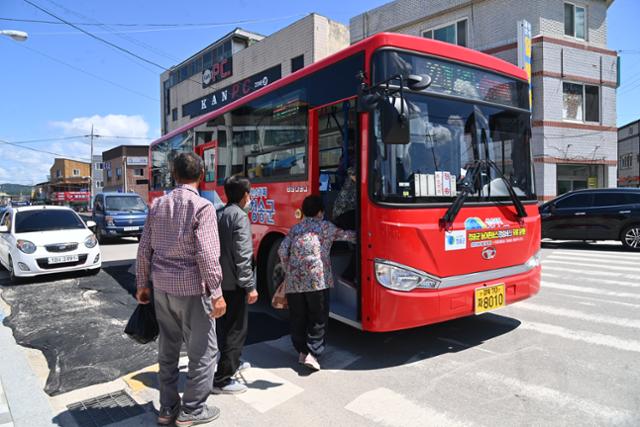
(179, 253)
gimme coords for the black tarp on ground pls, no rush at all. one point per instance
(78, 323)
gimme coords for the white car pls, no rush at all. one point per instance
(38, 240)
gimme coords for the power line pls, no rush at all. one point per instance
(80, 137)
(82, 159)
(95, 76)
(116, 33)
(100, 39)
(174, 25)
(108, 43)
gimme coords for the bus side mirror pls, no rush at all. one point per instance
(394, 121)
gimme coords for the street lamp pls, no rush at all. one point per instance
(18, 36)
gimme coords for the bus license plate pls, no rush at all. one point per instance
(63, 259)
(489, 298)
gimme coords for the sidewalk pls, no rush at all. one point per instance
(23, 403)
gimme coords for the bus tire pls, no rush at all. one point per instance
(274, 271)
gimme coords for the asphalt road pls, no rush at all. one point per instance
(569, 356)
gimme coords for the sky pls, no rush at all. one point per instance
(60, 82)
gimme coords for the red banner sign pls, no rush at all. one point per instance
(71, 196)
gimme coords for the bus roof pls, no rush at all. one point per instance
(370, 44)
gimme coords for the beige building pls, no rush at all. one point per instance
(241, 62)
(126, 170)
(69, 182)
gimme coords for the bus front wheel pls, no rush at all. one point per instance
(275, 270)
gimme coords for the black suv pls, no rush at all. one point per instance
(595, 214)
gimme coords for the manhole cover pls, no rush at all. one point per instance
(104, 410)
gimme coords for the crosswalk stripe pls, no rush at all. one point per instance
(599, 300)
(586, 264)
(578, 258)
(333, 358)
(386, 407)
(582, 336)
(604, 254)
(583, 272)
(575, 314)
(557, 398)
(586, 290)
(266, 390)
(598, 280)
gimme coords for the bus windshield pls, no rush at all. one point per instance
(446, 137)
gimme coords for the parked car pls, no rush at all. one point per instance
(595, 214)
(119, 215)
(37, 240)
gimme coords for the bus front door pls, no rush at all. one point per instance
(335, 131)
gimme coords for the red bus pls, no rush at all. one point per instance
(439, 136)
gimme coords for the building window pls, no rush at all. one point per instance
(580, 102)
(297, 63)
(76, 172)
(118, 172)
(455, 33)
(99, 166)
(575, 20)
(626, 161)
(99, 184)
(109, 174)
(174, 114)
(58, 173)
(138, 172)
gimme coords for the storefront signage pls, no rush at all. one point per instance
(218, 72)
(71, 196)
(227, 95)
(524, 50)
(137, 161)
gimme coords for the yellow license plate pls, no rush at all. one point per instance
(489, 298)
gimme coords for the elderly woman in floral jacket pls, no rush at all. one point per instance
(305, 256)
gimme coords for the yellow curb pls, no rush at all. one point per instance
(135, 385)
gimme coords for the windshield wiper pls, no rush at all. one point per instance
(469, 186)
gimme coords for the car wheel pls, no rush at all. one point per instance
(631, 237)
(275, 270)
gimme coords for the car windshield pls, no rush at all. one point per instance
(447, 138)
(125, 203)
(46, 220)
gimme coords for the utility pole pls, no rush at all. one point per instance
(91, 174)
(124, 166)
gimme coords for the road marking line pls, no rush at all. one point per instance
(600, 300)
(582, 336)
(333, 358)
(585, 264)
(575, 314)
(585, 290)
(597, 280)
(614, 255)
(137, 385)
(558, 398)
(384, 406)
(266, 390)
(609, 261)
(590, 272)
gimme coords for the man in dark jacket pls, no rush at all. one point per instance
(238, 287)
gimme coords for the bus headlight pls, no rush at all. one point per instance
(401, 278)
(534, 261)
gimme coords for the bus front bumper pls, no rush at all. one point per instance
(391, 310)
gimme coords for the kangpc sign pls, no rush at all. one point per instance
(227, 95)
